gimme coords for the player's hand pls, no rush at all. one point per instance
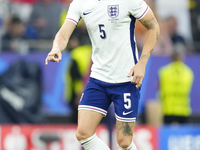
(54, 55)
(137, 72)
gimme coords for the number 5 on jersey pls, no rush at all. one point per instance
(102, 31)
(127, 100)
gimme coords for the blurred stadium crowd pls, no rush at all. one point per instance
(30, 26)
(27, 26)
(23, 23)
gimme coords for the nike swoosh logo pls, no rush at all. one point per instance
(126, 113)
(86, 13)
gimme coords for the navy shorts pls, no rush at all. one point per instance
(98, 96)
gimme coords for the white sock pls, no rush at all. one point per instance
(131, 147)
(94, 143)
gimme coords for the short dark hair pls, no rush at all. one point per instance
(15, 20)
(179, 50)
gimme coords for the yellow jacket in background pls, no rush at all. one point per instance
(176, 81)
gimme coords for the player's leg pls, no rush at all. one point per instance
(125, 98)
(92, 108)
(88, 121)
(124, 131)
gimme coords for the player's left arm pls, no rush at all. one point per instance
(153, 31)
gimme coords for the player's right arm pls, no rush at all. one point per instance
(60, 42)
(62, 37)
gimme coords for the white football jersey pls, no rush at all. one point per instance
(110, 25)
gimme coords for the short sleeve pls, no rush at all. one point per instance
(137, 8)
(73, 13)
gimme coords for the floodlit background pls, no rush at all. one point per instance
(38, 103)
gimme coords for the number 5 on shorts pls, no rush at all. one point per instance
(127, 100)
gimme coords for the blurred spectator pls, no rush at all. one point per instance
(164, 45)
(195, 22)
(45, 18)
(172, 24)
(15, 39)
(77, 73)
(21, 9)
(82, 34)
(172, 29)
(176, 81)
(178, 9)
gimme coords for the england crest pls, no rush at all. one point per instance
(113, 11)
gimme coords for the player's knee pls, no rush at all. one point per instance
(123, 142)
(124, 145)
(82, 134)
